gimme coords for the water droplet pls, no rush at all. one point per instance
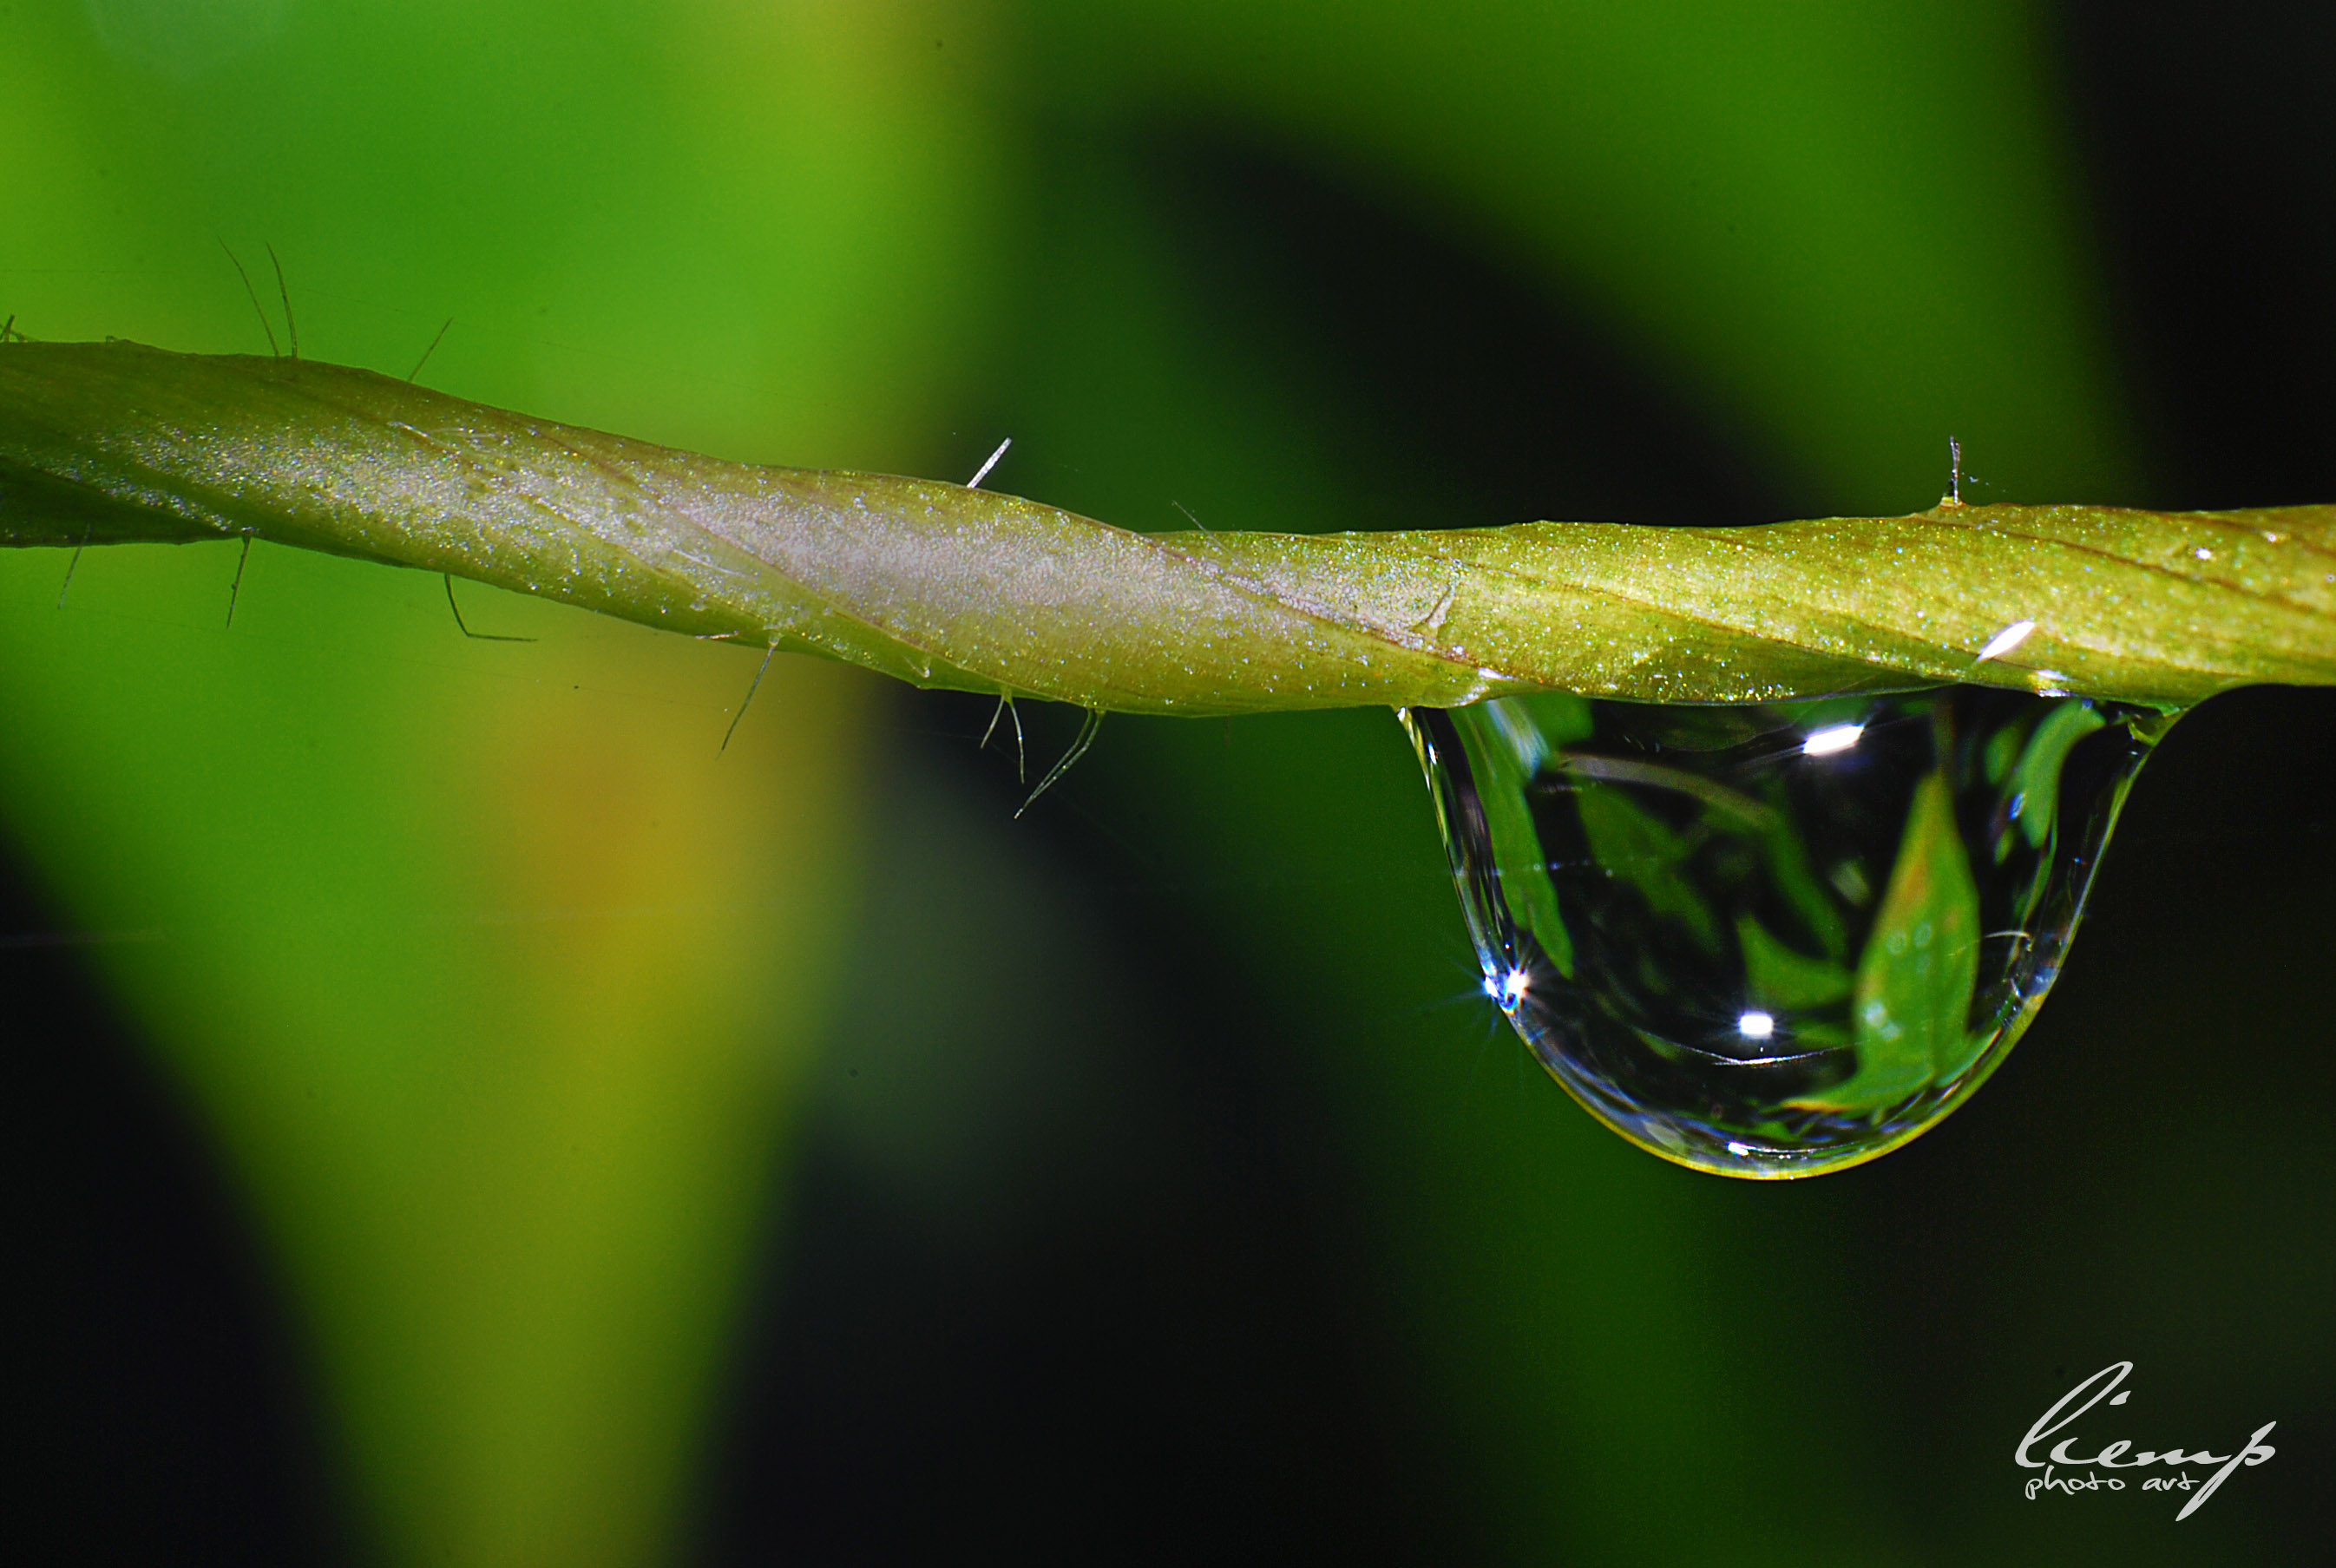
(1772, 941)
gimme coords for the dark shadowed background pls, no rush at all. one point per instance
(1142, 1179)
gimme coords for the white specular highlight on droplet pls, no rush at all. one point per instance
(1832, 739)
(1506, 988)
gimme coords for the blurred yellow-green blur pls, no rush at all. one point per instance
(494, 978)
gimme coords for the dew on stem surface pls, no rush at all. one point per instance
(1771, 941)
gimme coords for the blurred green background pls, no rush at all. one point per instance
(460, 1119)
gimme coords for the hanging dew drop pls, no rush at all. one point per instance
(1773, 941)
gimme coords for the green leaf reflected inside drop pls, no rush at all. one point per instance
(1772, 941)
(1911, 1006)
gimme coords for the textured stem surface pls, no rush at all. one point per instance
(944, 585)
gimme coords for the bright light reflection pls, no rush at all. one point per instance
(1755, 1026)
(1832, 738)
(1506, 989)
(2004, 641)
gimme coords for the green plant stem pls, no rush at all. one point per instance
(946, 586)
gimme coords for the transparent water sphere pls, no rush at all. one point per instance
(1776, 940)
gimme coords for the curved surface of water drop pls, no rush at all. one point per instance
(1778, 939)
